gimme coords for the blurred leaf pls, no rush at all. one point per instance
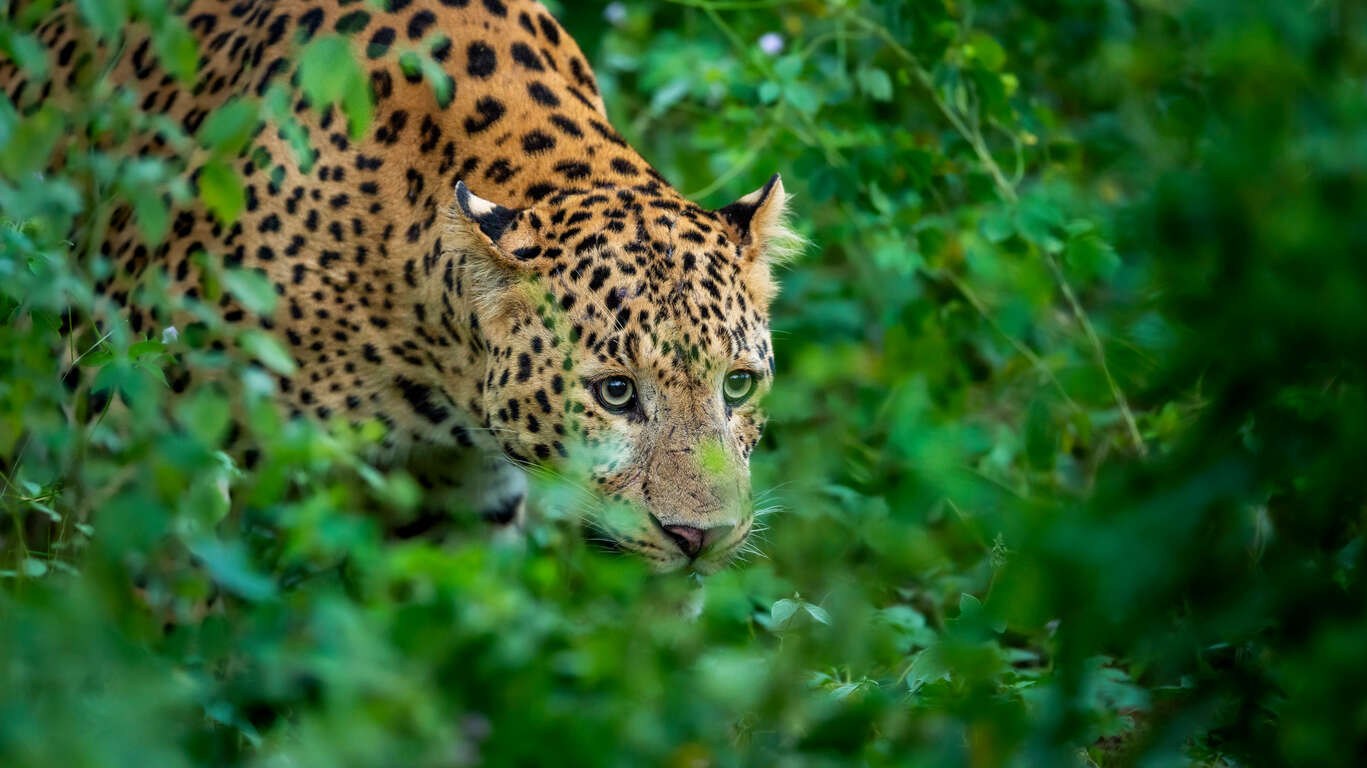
(253, 288)
(26, 51)
(221, 191)
(1091, 257)
(153, 214)
(986, 50)
(107, 17)
(269, 351)
(329, 75)
(817, 612)
(207, 415)
(32, 142)
(228, 129)
(783, 610)
(177, 49)
(875, 82)
(231, 568)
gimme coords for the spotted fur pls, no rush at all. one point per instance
(468, 271)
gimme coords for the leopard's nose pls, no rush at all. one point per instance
(692, 541)
(687, 538)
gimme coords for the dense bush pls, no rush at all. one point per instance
(1065, 460)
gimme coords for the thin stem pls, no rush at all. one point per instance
(738, 167)
(1008, 192)
(1081, 316)
(1015, 343)
(833, 155)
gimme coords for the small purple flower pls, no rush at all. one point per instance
(615, 13)
(771, 43)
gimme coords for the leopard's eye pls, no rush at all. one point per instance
(616, 393)
(738, 387)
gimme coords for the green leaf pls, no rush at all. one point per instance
(1090, 257)
(108, 17)
(895, 254)
(206, 414)
(148, 348)
(782, 611)
(177, 49)
(788, 67)
(910, 624)
(221, 191)
(32, 142)
(929, 666)
(443, 86)
(844, 691)
(26, 51)
(330, 74)
(986, 50)
(669, 94)
(803, 96)
(1038, 220)
(252, 288)
(817, 612)
(880, 199)
(230, 567)
(875, 83)
(409, 64)
(269, 351)
(153, 215)
(229, 128)
(97, 358)
(997, 226)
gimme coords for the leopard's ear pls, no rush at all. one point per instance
(494, 247)
(502, 231)
(491, 218)
(759, 227)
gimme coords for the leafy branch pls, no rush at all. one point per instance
(973, 135)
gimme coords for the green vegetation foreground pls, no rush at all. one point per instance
(1064, 451)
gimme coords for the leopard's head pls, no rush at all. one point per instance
(628, 350)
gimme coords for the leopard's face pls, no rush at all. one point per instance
(629, 350)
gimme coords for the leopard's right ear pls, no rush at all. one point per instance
(495, 248)
(492, 219)
(507, 236)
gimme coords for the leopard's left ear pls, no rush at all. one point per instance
(504, 238)
(759, 226)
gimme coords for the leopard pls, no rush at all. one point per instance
(489, 270)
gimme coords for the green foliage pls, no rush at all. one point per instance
(1063, 467)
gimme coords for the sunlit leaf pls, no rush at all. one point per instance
(269, 351)
(253, 288)
(221, 191)
(228, 129)
(329, 74)
(875, 82)
(106, 16)
(177, 49)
